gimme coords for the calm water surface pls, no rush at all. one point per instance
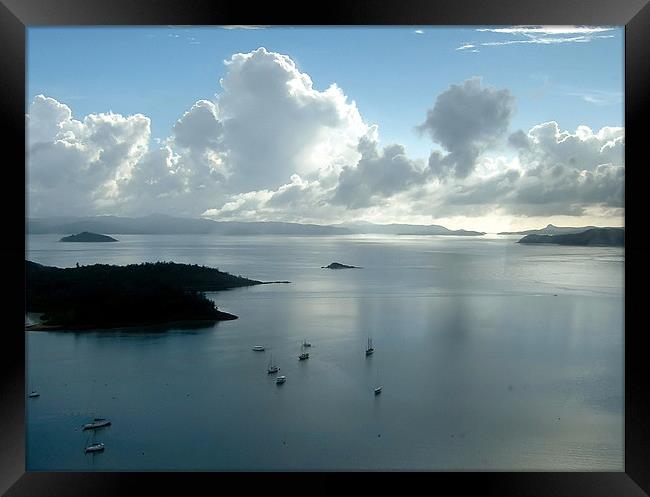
(492, 356)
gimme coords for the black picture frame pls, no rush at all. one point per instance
(16, 15)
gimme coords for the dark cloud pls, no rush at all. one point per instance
(544, 190)
(377, 176)
(485, 191)
(558, 189)
(519, 140)
(467, 119)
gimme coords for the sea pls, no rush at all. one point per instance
(491, 355)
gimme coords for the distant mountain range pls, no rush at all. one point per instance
(590, 237)
(159, 224)
(551, 230)
(405, 229)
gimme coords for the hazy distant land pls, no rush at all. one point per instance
(405, 229)
(106, 296)
(158, 224)
(434, 230)
(551, 230)
(590, 237)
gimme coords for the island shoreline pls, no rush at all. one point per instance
(191, 323)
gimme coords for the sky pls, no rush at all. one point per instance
(478, 127)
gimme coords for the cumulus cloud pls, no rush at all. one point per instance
(564, 190)
(377, 178)
(564, 172)
(556, 173)
(74, 164)
(269, 122)
(272, 147)
(46, 119)
(539, 192)
(197, 137)
(466, 120)
(546, 144)
(160, 183)
(299, 200)
(199, 128)
(277, 124)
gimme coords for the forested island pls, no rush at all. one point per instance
(87, 236)
(107, 296)
(594, 237)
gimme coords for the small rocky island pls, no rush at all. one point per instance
(87, 236)
(106, 296)
(338, 265)
(609, 237)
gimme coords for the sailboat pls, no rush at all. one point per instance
(92, 445)
(305, 343)
(303, 356)
(33, 393)
(378, 387)
(273, 368)
(96, 423)
(370, 349)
